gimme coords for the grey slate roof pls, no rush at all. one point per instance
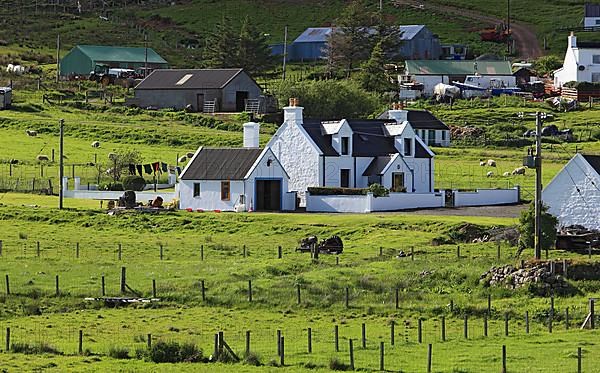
(420, 151)
(377, 165)
(198, 79)
(594, 161)
(423, 119)
(221, 164)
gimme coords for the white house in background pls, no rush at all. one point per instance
(430, 129)
(591, 15)
(242, 179)
(573, 196)
(582, 63)
(352, 153)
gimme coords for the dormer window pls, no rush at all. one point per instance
(345, 145)
(408, 147)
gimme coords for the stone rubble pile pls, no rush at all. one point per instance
(536, 273)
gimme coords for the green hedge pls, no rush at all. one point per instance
(329, 191)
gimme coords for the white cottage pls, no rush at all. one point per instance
(591, 18)
(242, 179)
(352, 153)
(573, 196)
(582, 63)
(430, 129)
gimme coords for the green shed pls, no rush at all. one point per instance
(82, 59)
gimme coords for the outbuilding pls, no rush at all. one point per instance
(581, 63)
(82, 59)
(5, 97)
(236, 179)
(573, 195)
(226, 90)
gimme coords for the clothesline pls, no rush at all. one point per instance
(153, 169)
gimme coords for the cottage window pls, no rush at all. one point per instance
(225, 191)
(196, 189)
(596, 59)
(443, 135)
(345, 145)
(408, 147)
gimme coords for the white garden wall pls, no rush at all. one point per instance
(359, 204)
(486, 197)
(405, 201)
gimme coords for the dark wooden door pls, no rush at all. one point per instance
(345, 178)
(268, 195)
(240, 100)
(200, 102)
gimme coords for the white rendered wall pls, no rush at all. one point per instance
(210, 195)
(486, 197)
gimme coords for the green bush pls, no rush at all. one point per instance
(337, 364)
(331, 191)
(118, 353)
(251, 358)
(134, 182)
(30, 349)
(116, 187)
(527, 228)
(379, 190)
(173, 352)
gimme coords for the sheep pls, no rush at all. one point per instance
(519, 171)
(190, 155)
(182, 159)
(482, 163)
(9, 68)
(491, 163)
(490, 174)
(31, 133)
(42, 158)
(506, 174)
(96, 144)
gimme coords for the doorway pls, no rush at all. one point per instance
(200, 102)
(345, 178)
(398, 182)
(268, 195)
(240, 100)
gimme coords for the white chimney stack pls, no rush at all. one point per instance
(251, 135)
(572, 41)
(293, 112)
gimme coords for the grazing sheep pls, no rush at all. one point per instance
(42, 158)
(182, 159)
(506, 174)
(14, 161)
(482, 163)
(9, 68)
(31, 133)
(96, 144)
(491, 163)
(490, 174)
(519, 171)
(190, 155)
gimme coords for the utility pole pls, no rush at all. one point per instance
(508, 42)
(285, 36)
(57, 58)
(145, 55)
(381, 6)
(538, 185)
(61, 171)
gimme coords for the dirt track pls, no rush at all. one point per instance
(526, 42)
(511, 211)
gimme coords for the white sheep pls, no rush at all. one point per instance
(31, 133)
(9, 68)
(519, 171)
(506, 174)
(491, 163)
(482, 163)
(96, 144)
(42, 158)
(490, 174)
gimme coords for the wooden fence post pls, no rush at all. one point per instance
(249, 290)
(153, 288)
(351, 347)
(310, 340)
(466, 327)
(244, 251)
(203, 290)
(57, 287)
(123, 279)
(592, 314)
(336, 338)
(120, 252)
(278, 342)
(7, 339)
(567, 318)
(503, 358)
(397, 298)
(429, 357)
(38, 249)
(489, 304)
(485, 325)
(161, 252)
(381, 356)
(451, 305)
(347, 297)
(7, 286)
(364, 335)
(380, 251)
(392, 332)
(77, 251)
(103, 288)
(443, 328)
(412, 253)
(149, 341)
(578, 359)
(216, 351)
(279, 252)
(457, 252)
(420, 331)
(202, 252)
(506, 324)
(526, 322)
(298, 294)
(247, 342)
(0, 247)
(565, 268)
(80, 342)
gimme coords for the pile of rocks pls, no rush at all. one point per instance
(539, 274)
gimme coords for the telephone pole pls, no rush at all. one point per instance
(285, 37)
(145, 55)
(538, 185)
(61, 171)
(57, 58)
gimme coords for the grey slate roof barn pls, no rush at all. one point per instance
(194, 88)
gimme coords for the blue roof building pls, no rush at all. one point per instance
(417, 43)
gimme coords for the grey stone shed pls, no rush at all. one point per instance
(197, 88)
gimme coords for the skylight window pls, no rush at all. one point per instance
(184, 79)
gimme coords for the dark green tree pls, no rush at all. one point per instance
(390, 38)
(527, 228)
(547, 64)
(372, 76)
(253, 52)
(220, 49)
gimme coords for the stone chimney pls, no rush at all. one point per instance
(293, 112)
(572, 41)
(251, 135)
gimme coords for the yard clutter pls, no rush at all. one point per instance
(331, 245)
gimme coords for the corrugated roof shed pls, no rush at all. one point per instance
(444, 67)
(120, 54)
(592, 10)
(320, 34)
(221, 164)
(189, 79)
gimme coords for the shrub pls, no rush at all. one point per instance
(112, 187)
(251, 358)
(134, 182)
(38, 348)
(118, 353)
(337, 364)
(527, 228)
(379, 190)
(173, 352)
(329, 191)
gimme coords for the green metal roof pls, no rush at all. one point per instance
(449, 67)
(120, 54)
